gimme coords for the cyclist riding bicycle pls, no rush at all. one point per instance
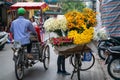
(21, 28)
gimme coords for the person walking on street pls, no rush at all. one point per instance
(20, 28)
(61, 65)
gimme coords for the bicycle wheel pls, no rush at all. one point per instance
(74, 61)
(19, 68)
(101, 54)
(46, 56)
(86, 65)
(114, 68)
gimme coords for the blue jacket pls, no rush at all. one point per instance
(21, 28)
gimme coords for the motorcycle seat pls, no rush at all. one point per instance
(114, 49)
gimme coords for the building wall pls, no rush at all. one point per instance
(99, 23)
(3, 16)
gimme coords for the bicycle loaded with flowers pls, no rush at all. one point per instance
(74, 29)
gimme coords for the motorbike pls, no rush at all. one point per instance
(113, 61)
(109, 50)
(104, 44)
(3, 39)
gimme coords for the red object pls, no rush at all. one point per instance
(11, 37)
(29, 5)
(38, 33)
(61, 40)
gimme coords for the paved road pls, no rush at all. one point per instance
(37, 72)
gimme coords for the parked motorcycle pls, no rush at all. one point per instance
(104, 44)
(3, 39)
(113, 61)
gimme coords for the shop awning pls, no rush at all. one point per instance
(30, 5)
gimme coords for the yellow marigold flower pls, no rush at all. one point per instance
(82, 38)
(75, 18)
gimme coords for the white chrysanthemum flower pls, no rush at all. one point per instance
(62, 22)
(53, 24)
(101, 34)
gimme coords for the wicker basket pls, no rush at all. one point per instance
(76, 49)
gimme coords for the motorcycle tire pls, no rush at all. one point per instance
(114, 68)
(2, 46)
(101, 54)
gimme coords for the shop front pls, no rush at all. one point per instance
(4, 13)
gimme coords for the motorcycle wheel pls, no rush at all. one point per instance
(2, 46)
(101, 54)
(114, 68)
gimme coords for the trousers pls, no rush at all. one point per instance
(61, 63)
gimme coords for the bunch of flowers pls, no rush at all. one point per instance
(90, 17)
(51, 24)
(100, 34)
(56, 25)
(75, 19)
(81, 38)
(80, 25)
(59, 41)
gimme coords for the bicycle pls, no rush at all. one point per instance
(40, 52)
(79, 64)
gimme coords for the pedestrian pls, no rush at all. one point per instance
(20, 28)
(110, 13)
(61, 65)
(33, 21)
(61, 62)
(37, 28)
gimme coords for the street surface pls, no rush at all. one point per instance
(37, 72)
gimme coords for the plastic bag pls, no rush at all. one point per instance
(87, 56)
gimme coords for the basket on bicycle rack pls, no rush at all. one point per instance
(76, 49)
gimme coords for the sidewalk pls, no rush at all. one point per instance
(101, 64)
(104, 68)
